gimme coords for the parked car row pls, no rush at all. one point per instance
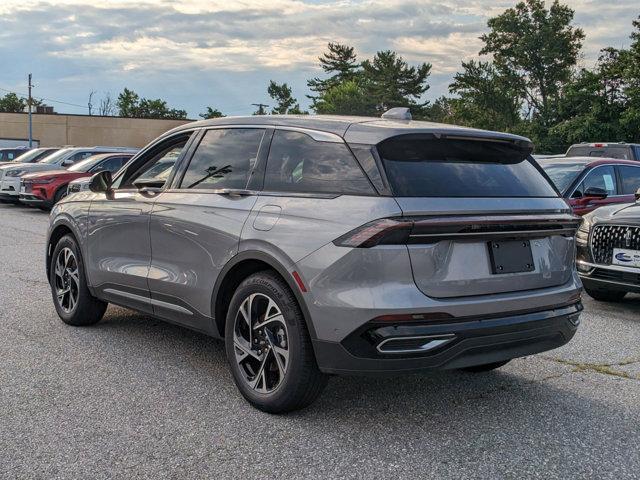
(41, 176)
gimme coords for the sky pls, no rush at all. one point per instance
(198, 53)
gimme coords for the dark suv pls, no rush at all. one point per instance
(327, 245)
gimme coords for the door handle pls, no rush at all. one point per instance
(235, 192)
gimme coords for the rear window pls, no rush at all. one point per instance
(429, 167)
(562, 173)
(614, 151)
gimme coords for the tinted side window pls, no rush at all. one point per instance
(637, 150)
(112, 164)
(80, 156)
(630, 179)
(155, 164)
(223, 159)
(298, 163)
(601, 177)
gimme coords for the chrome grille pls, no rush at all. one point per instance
(607, 237)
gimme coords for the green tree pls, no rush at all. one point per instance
(12, 103)
(212, 113)
(486, 98)
(540, 47)
(346, 98)
(592, 104)
(630, 118)
(284, 99)
(340, 63)
(391, 82)
(130, 104)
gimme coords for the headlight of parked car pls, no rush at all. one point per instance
(582, 235)
(15, 173)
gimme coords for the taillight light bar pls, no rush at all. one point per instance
(384, 231)
(400, 231)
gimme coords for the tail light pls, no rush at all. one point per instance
(384, 231)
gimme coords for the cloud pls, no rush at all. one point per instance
(163, 44)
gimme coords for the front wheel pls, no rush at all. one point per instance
(268, 346)
(73, 301)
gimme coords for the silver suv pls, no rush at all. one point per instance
(327, 245)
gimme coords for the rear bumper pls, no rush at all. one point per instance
(472, 341)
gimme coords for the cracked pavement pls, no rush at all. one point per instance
(134, 397)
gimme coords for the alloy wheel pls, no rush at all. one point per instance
(261, 343)
(67, 280)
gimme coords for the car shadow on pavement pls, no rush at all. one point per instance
(431, 394)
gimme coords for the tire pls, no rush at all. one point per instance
(269, 380)
(85, 309)
(60, 194)
(605, 295)
(487, 367)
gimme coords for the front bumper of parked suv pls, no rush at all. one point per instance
(595, 266)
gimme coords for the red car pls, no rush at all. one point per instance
(588, 183)
(45, 189)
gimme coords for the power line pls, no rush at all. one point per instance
(43, 98)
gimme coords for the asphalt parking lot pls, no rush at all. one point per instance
(133, 397)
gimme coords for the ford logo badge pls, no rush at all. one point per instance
(623, 257)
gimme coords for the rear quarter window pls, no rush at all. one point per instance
(298, 163)
(427, 167)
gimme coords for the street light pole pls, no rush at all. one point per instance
(29, 105)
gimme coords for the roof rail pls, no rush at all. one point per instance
(113, 148)
(397, 113)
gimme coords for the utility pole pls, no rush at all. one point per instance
(29, 102)
(261, 108)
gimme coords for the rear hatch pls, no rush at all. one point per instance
(483, 218)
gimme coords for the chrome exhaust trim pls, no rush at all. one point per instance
(423, 343)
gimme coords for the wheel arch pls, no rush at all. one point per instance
(59, 229)
(236, 270)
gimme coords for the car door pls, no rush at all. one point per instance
(195, 225)
(602, 177)
(629, 178)
(119, 250)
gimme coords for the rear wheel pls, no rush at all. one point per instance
(268, 346)
(487, 367)
(73, 301)
(605, 295)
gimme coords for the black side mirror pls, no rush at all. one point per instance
(101, 182)
(67, 163)
(595, 192)
(637, 194)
